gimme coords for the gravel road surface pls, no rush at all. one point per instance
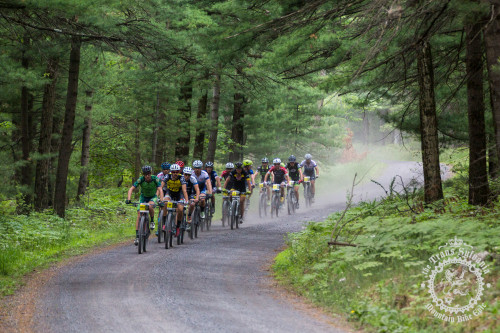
(219, 282)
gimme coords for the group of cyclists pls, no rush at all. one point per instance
(192, 185)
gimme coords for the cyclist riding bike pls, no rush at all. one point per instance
(165, 170)
(227, 172)
(262, 170)
(193, 192)
(150, 191)
(204, 184)
(295, 174)
(247, 166)
(239, 180)
(280, 174)
(214, 180)
(174, 186)
(310, 170)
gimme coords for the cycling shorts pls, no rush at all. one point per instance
(147, 200)
(175, 196)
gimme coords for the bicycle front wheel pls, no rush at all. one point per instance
(233, 214)
(160, 226)
(276, 204)
(140, 233)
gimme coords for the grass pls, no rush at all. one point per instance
(34, 241)
(378, 284)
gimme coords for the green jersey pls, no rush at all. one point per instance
(148, 189)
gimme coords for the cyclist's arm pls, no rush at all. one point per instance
(249, 184)
(317, 171)
(129, 194)
(253, 178)
(265, 177)
(217, 181)
(227, 181)
(159, 192)
(209, 186)
(184, 192)
(197, 189)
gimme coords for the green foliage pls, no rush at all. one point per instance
(28, 242)
(378, 282)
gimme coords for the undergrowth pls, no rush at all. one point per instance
(378, 283)
(33, 241)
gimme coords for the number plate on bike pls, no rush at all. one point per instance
(306, 179)
(234, 193)
(170, 205)
(261, 185)
(276, 187)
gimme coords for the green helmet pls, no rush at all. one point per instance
(247, 162)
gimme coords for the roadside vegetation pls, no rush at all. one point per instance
(32, 242)
(378, 283)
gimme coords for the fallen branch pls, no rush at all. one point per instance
(342, 244)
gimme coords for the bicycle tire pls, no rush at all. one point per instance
(276, 204)
(225, 212)
(262, 205)
(146, 234)
(288, 204)
(198, 221)
(237, 216)
(168, 226)
(139, 234)
(233, 214)
(160, 225)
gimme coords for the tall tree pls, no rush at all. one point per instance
(45, 140)
(85, 156)
(478, 175)
(428, 124)
(199, 142)
(67, 133)
(182, 144)
(214, 118)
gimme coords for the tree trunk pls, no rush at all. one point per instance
(492, 44)
(182, 146)
(162, 138)
(55, 143)
(24, 203)
(237, 134)
(67, 134)
(84, 160)
(433, 189)
(199, 144)
(137, 148)
(42, 165)
(155, 131)
(214, 119)
(478, 176)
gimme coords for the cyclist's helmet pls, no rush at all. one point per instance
(265, 160)
(165, 166)
(229, 165)
(197, 164)
(146, 169)
(180, 163)
(238, 165)
(188, 171)
(209, 164)
(276, 161)
(175, 167)
(247, 162)
(292, 158)
(308, 157)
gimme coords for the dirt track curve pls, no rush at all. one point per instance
(216, 283)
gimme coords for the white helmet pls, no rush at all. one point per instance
(188, 171)
(175, 167)
(197, 164)
(308, 157)
(276, 161)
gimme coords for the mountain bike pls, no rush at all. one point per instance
(226, 207)
(291, 198)
(170, 222)
(143, 231)
(307, 191)
(275, 200)
(208, 213)
(263, 199)
(195, 221)
(234, 210)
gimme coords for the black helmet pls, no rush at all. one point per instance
(265, 160)
(238, 165)
(292, 158)
(146, 169)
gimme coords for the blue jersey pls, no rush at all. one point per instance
(202, 179)
(213, 175)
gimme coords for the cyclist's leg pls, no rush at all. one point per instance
(296, 189)
(242, 205)
(312, 187)
(202, 200)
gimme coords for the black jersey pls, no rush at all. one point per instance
(293, 171)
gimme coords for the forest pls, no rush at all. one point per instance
(90, 92)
